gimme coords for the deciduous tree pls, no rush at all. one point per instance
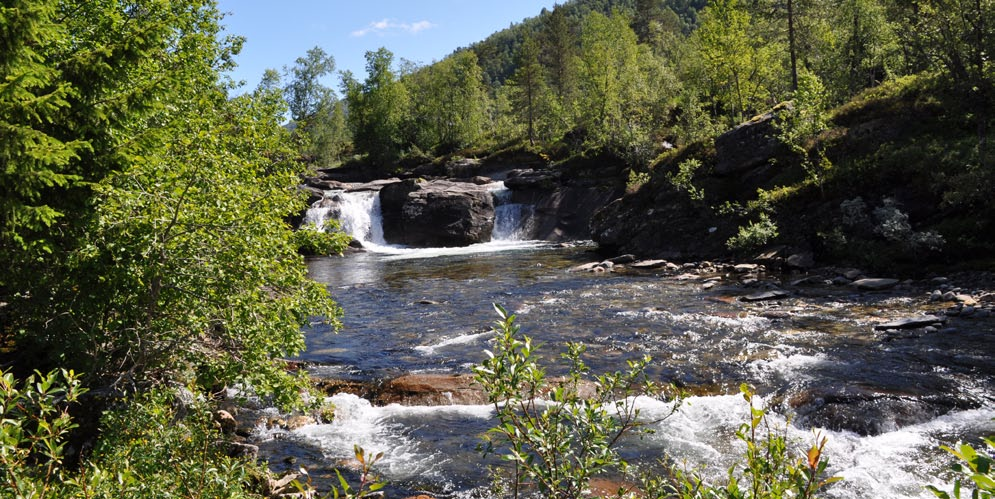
(376, 109)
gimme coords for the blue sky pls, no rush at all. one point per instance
(419, 30)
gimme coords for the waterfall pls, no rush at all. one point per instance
(512, 221)
(358, 214)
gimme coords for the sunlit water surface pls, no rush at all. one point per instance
(885, 402)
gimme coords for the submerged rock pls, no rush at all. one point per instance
(649, 264)
(866, 411)
(911, 323)
(773, 294)
(874, 284)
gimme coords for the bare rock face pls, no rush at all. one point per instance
(437, 213)
(749, 145)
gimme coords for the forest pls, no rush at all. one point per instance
(150, 265)
(629, 76)
(650, 86)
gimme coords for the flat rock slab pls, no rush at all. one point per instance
(746, 267)
(648, 264)
(911, 323)
(875, 284)
(774, 294)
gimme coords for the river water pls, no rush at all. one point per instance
(885, 400)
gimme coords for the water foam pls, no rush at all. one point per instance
(462, 339)
(386, 429)
(896, 464)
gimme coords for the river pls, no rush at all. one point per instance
(885, 399)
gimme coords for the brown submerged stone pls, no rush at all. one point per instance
(431, 389)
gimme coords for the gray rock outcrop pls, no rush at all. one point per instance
(437, 213)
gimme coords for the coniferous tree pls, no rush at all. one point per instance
(33, 97)
(531, 95)
(560, 44)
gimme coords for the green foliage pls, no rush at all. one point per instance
(176, 263)
(34, 423)
(738, 64)
(32, 96)
(173, 227)
(974, 468)
(318, 116)
(866, 48)
(681, 179)
(551, 433)
(305, 94)
(636, 180)
(376, 109)
(150, 446)
(369, 482)
(447, 104)
(612, 87)
(161, 444)
(800, 120)
(767, 470)
(531, 97)
(754, 235)
(314, 241)
(329, 135)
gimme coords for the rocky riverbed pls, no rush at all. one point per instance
(863, 356)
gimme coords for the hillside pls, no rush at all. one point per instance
(895, 191)
(497, 53)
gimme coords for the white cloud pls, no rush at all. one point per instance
(386, 26)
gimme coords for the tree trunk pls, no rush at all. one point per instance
(792, 46)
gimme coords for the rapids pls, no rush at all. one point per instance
(886, 401)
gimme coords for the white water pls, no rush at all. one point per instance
(387, 429)
(896, 464)
(360, 216)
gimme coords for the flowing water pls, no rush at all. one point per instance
(886, 401)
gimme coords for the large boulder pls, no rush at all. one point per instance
(437, 213)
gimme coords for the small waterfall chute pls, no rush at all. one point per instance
(358, 214)
(512, 221)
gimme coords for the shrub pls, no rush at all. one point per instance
(754, 235)
(560, 444)
(636, 180)
(369, 482)
(151, 445)
(329, 240)
(34, 423)
(973, 466)
(164, 443)
(681, 180)
(552, 435)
